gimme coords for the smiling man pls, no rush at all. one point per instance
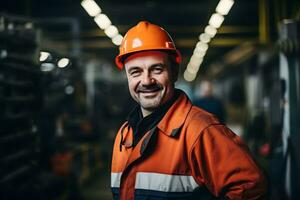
(150, 79)
(168, 148)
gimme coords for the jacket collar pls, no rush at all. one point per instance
(142, 125)
(175, 117)
(170, 124)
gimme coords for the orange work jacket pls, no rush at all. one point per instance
(188, 155)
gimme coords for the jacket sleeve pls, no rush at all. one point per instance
(221, 161)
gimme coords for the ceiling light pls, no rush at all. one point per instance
(111, 31)
(47, 67)
(91, 7)
(44, 56)
(201, 46)
(3, 54)
(204, 37)
(193, 68)
(196, 60)
(216, 20)
(102, 21)
(63, 62)
(189, 76)
(224, 6)
(210, 30)
(69, 89)
(199, 53)
(117, 40)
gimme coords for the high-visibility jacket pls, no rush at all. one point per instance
(186, 155)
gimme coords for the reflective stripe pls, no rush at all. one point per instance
(115, 179)
(165, 182)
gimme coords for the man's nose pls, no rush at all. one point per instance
(147, 79)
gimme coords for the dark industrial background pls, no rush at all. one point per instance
(57, 125)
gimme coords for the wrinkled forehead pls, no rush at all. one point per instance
(146, 56)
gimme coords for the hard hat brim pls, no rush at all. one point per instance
(119, 60)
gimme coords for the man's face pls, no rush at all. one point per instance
(150, 80)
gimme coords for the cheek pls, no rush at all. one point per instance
(132, 84)
(166, 81)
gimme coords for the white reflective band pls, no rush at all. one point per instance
(165, 182)
(115, 179)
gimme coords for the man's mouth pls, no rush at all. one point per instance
(149, 90)
(152, 89)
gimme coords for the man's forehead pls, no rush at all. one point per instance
(146, 55)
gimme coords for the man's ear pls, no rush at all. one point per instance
(174, 68)
(175, 71)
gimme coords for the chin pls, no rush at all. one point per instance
(150, 106)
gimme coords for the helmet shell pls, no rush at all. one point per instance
(146, 36)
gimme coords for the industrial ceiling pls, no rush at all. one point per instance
(68, 28)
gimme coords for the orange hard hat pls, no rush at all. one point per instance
(146, 36)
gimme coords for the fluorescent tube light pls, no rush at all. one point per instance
(102, 21)
(224, 6)
(216, 20)
(91, 7)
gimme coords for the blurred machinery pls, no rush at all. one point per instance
(48, 147)
(20, 100)
(289, 74)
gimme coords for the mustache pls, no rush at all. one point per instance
(152, 87)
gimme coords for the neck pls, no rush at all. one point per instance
(145, 112)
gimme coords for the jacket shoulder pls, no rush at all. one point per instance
(197, 121)
(201, 118)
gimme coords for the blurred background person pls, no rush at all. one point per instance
(209, 102)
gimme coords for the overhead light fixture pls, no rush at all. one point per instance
(195, 61)
(91, 7)
(117, 40)
(201, 46)
(193, 68)
(63, 62)
(69, 89)
(224, 6)
(188, 76)
(102, 21)
(210, 30)
(47, 67)
(111, 31)
(216, 20)
(204, 37)
(44, 56)
(199, 53)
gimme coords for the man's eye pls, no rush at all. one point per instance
(135, 73)
(157, 70)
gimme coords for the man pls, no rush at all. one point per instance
(209, 102)
(168, 148)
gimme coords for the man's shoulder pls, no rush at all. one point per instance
(201, 119)
(196, 122)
